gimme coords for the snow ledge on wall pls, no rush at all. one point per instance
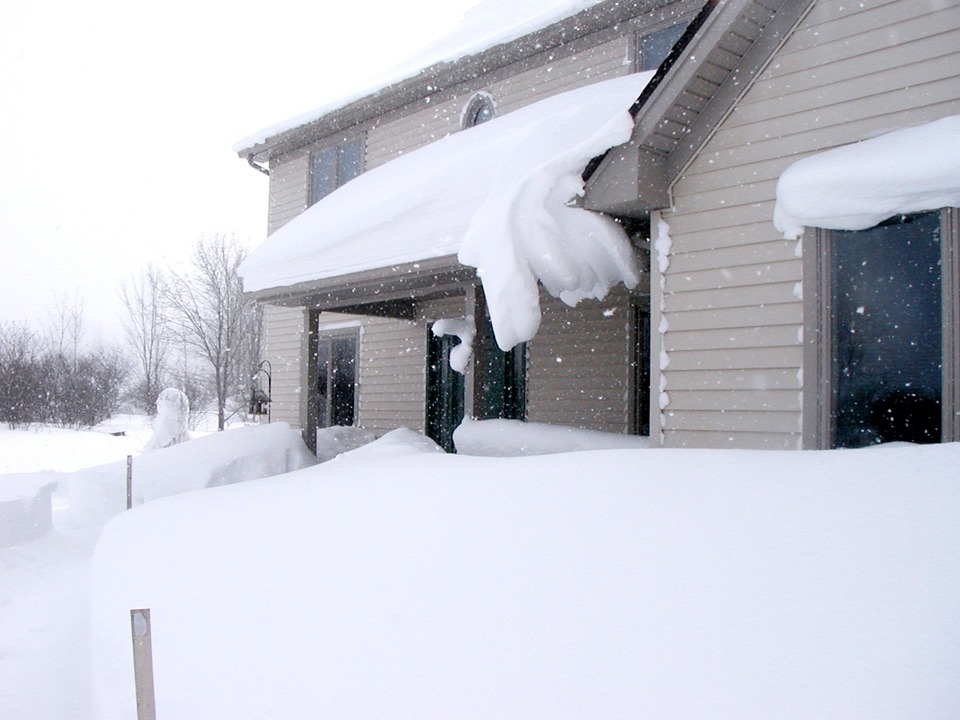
(858, 186)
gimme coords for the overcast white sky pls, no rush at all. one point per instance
(117, 119)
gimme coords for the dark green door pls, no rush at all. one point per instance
(501, 384)
(444, 391)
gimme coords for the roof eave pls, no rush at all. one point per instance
(386, 286)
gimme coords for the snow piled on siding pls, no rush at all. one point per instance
(857, 186)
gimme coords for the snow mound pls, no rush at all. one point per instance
(608, 584)
(857, 186)
(222, 458)
(511, 438)
(336, 440)
(25, 506)
(170, 424)
(396, 443)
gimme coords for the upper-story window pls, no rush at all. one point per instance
(479, 110)
(334, 165)
(653, 47)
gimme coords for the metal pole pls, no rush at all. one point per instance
(143, 664)
(129, 481)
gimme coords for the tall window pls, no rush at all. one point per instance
(887, 313)
(653, 47)
(334, 165)
(336, 363)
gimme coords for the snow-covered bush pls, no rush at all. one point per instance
(43, 384)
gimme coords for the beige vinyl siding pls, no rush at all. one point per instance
(591, 65)
(285, 329)
(579, 364)
(284, 332)
(289, 184)
(442, 115)
(732, 297)
(391, 375)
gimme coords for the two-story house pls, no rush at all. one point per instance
(582, 195)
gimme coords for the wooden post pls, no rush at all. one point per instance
(129, 481)
(143, 664)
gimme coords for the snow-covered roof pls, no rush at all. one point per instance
(486, 25)
(497, 195)
(857, 186)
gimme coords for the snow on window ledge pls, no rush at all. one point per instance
(857, 186)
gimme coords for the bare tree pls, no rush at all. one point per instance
(148, 332)
(212, 314)
(65, 327)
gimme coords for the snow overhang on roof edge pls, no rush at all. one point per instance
(410, 82)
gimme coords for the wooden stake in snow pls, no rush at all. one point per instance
(143, 664)
(129, 481)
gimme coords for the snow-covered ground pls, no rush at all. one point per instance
(397, 582)
(44, 583)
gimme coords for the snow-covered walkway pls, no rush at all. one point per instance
(44, 624)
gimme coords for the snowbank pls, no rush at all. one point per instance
(219, 459)
(398, 583)
(511, 438)
(333, 441)
(857, 186)
(25, 507)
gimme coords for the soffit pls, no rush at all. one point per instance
(702, 84)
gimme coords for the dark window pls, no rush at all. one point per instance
(333, 166)
(479, 110)
(444, 391)
(641, 370)
(655, 46)
(336, 360)
(887, 333)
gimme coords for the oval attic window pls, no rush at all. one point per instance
(479, 110)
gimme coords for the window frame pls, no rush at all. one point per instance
(318, 335)
(818, 391)
(336, 151)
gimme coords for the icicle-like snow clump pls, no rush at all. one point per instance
(466, 330)
(526, 232)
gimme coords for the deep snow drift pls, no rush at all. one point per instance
(44, 592)
(396, 582)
